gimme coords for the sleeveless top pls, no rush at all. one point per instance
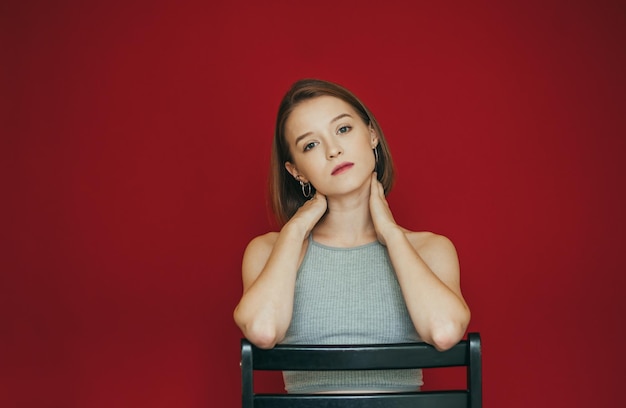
(349, 296)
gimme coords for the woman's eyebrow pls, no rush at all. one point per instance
(343, 115)
(302, 137)
(335, 119)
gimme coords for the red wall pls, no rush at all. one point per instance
(135, 141)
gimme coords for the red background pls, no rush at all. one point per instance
(135, 140)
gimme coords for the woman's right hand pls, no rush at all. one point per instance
(310, 213)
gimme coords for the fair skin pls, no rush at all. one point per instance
(331, 148)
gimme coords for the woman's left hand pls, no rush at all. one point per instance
(379, 208)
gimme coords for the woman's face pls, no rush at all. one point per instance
(330, 145)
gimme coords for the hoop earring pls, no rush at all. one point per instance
(306, 189)
(376, 155)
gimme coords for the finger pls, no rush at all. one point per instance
(374, 183)
(378, 186)
(373, 188)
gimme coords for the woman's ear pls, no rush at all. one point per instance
(373, 137)
(294, 172)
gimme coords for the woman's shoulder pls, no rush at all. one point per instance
(256, 255)
(426, 242)
(437, 251)
(263, 242)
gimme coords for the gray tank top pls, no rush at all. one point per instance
(349, 296)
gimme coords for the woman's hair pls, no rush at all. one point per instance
(285, 192)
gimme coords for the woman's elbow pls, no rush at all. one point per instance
(265, 339)
(448, 335)
(261, 335)
(444, 341)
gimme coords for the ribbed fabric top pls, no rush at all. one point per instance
(349, 296)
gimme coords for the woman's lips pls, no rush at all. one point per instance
(341, 168)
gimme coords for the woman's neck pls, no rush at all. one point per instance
(347, 223)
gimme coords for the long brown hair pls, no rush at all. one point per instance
(285, 192)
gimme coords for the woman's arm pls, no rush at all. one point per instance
(427, 269)
(431, 287)
(269, 270)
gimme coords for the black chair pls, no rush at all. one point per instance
(466, 353)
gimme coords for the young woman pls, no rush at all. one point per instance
(341, 271)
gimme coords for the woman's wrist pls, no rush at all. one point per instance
(391, 233)
(295, 229)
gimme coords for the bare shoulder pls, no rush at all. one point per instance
(259, 249)
(261, 244)
(425, 241)
(256, 255)
(436, 250)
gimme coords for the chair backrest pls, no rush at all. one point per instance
(466, 353)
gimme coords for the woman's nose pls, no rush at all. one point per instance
(334, 150)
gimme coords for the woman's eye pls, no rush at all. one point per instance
(309, 146)
(344, 129)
